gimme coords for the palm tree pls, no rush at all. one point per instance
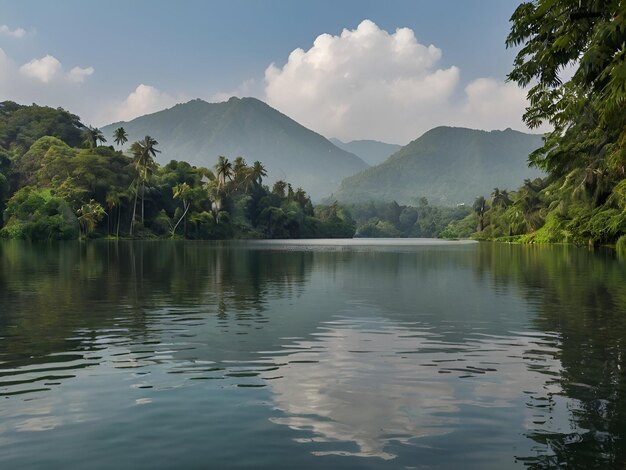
(120, 137)
(113, 199)
(500, 198)
(89, 215)
(144, 151)
(224, 170)
(529, 204)
(480, 207)
(239, 168)
(93, 136)
(258, 172)
(300, 197)
(184, 192)
(279, 188)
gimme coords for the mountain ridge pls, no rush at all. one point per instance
(448, 166)
(198, 132)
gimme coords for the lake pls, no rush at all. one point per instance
(350, 354)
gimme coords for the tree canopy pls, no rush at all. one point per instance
(66, 184)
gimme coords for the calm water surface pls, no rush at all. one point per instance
(284, 355)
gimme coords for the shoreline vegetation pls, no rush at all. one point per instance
(58, 180)
(572, 58)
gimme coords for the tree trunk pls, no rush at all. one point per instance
(143, 197)
(184, 216)
(119, 214)
(132, 221)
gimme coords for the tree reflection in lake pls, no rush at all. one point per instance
(580, 295)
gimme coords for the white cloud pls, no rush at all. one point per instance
(49, 69)
(15, 33)
(44, 69)
(145, 99)
(42, 81)
(368, 83)
(79, 74)
(490, 102)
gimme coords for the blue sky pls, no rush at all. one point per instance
(210, 49)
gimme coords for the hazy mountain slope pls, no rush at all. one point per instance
(371, 152)
(447, 165)
(199, 132)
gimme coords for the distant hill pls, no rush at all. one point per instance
(448, 166)
(371, 152)
(199, 132)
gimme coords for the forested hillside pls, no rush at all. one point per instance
(58, 180)
(199, 132)
(446, 165)
(583, 198)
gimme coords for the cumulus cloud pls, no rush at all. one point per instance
(489, 102)
(42, 81)
(145, 99)
(369, 83)
(79, 74)
(44, 69)
(49, 69)
(15, 33)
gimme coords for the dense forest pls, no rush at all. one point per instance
(59, 181)
(583, 198)
(390, 219)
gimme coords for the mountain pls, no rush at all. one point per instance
(198, 132)
(448, 166)
(371, 152)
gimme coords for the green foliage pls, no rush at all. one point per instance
(447, 165)
(93, 135)
(197, 131)
(38, 215)
(89, 215)
(21, 126)
(583, 198)
(65, 192)
(120, 136)
(383, 219)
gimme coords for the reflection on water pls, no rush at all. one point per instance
(276, 355)
(384, 382)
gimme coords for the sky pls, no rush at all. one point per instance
(385, 70)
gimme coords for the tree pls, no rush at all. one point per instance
(89, 215)
(258, 172)
(144, 153)
(93, 136)
(184, 193)
(120, 136)
(113, 199)
(500, 198)
(480, 207)
(301, 197)
(586, 110)
(239, 169)
(279, 188)
(224, 170)
(21, 126)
